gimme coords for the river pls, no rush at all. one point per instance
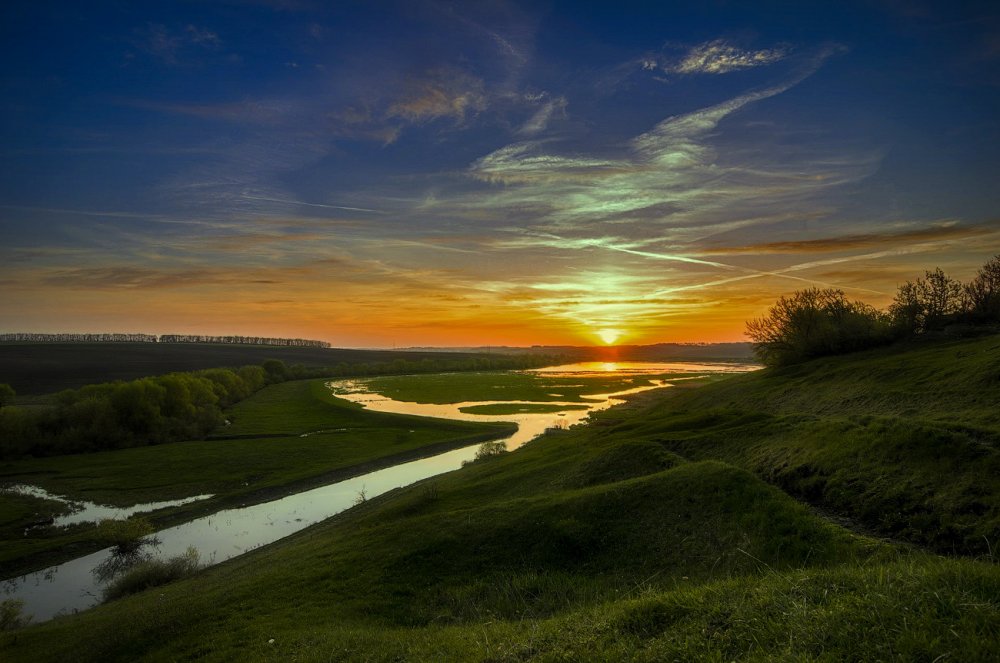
(73, 585)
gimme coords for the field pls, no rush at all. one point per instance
(284, 438)
(42, 368)
(795, 515)
(504, 386)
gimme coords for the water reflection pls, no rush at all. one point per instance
(81, 511)
(529, 424)
(75, 585)
(602, 368)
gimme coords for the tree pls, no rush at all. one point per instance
(927, 304)
(983, 292)
(812, 323)
(7, 394)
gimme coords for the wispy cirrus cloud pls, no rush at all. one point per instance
(441, 93)
(945, 231)
(539, 121)
(721, 57)
(173, 46)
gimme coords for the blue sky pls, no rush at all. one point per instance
(464, 173)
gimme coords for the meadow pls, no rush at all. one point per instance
(828, 511)
(284, 438)
(507, 386)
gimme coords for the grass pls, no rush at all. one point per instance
(655, 533)
(153, 573)
(503, 386)
(263, 453)
(905, 441)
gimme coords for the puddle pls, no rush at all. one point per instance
(82, 511)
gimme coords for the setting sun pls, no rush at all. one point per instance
(609, 336)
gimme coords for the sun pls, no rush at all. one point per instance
(609, 336)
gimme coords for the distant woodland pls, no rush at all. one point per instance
(27, 337)
(181, 406)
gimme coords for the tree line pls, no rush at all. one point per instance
(816, 322)
(181, 406)
(162, 338)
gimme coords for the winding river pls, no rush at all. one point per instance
(74, 586)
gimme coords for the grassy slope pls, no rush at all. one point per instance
(600, 543)
(269, 455)
(905, 441)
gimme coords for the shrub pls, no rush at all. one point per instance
(11, 616)
(126, 536)
(153, 573)
(812, 323)
(983, 292)
(7, 394)
(487, 451)
(928, 304)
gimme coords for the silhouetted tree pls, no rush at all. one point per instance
(928, 303)
(812, 323)
(983, 292)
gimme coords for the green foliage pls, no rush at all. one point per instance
(813, 323)
(12, 616)
(126, 536)
(153, 573)
(488, 451)
(7, 394)
(116, 415)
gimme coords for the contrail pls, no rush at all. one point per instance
(299, 202)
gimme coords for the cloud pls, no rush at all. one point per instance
(721, 57)
(174, 46)
(203, 37)
(951, 231)
(540, 119)
(441, 93)
(667, 173)
(248, 111)
(130, 277)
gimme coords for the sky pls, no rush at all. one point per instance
(379, 174)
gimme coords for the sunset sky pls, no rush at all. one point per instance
(458, 173)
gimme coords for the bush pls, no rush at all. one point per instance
(928, 304)
(11, 617)
(153, 573)
(488, 451)
(983, 292)
(812, 323)
(126, 536)
(7, 394)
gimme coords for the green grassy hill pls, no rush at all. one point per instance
(676, 528)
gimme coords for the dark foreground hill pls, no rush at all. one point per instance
(682, 527)
(42, 368)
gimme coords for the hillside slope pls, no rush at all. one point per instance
(905, 440)
(638, 537)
